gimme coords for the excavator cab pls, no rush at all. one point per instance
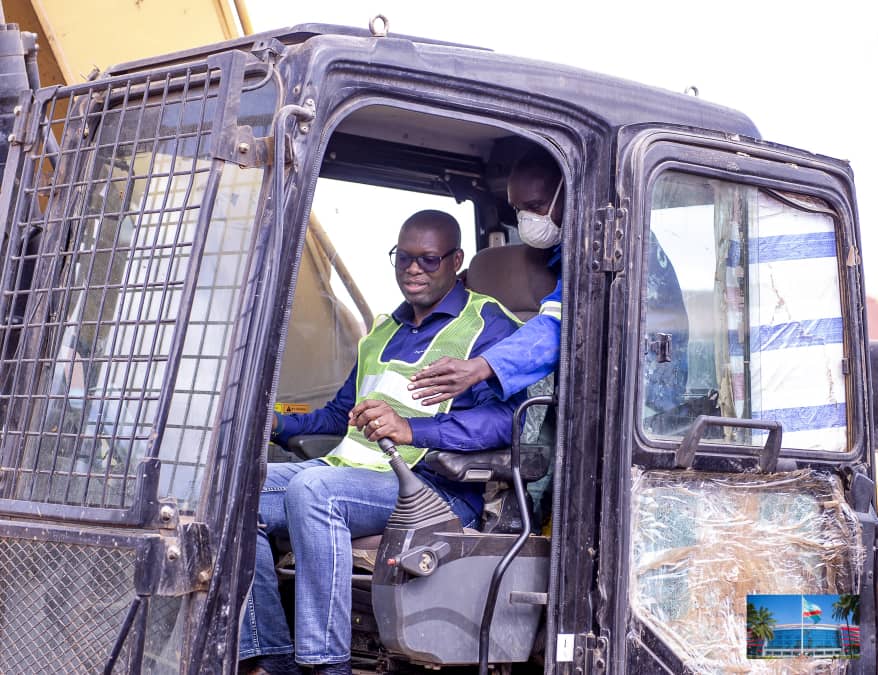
(192, 239)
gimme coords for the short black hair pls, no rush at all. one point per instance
(432, 219)
(537, 162)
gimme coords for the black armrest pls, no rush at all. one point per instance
(312, 446)
(480, 467)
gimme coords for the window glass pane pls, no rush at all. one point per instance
(743, 313)
(194, 410)
(119, 278)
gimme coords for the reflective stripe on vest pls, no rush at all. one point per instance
(552, 309)
(388, 380)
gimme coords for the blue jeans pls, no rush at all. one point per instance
(322, 507)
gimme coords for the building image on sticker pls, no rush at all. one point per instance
(784, 626)
(820, 640)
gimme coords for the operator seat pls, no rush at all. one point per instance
(517, 275)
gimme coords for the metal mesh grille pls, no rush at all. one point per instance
(61, 605)
(165, 632)
(95, 278)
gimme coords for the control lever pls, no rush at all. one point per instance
(416, 504)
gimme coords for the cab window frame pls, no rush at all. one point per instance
(822, 182)
(575, 139)
(526, 132)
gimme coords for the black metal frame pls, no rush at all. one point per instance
(644, 151)
(574, 134)
(706, 154)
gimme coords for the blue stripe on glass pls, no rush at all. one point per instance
(736, 348)
(807, 418)
(795, 247)
(812, 332)
(808, 333)
(785, 247)
(734, 257)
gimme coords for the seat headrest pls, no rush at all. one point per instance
(516, 275)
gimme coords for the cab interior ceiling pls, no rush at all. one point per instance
(435, 154)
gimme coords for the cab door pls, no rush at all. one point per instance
(741, 463)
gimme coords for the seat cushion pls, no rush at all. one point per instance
(365, 550)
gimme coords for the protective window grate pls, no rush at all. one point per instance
(62, 605)
(94, 279)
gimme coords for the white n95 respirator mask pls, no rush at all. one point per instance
(537, 230)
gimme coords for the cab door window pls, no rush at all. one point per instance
(743, 313)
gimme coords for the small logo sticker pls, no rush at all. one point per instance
(564, 653)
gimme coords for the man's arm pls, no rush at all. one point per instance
(330, 419)
(509, 366)
(486, 422)
(486, 426)
(532, 353)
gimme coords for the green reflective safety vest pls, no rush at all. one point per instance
(388, 380)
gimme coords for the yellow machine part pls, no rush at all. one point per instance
(77, 36)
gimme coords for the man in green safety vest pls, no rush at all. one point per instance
(351, 492)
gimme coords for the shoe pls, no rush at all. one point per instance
(274, 664)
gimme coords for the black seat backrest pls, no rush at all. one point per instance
(515, 275)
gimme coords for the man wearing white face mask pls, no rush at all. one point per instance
(536, 191)
(535, 229)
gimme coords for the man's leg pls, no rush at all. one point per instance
(264, 630)
(326, 507)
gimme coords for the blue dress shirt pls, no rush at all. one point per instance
(478, 420)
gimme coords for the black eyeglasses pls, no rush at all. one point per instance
(429, 263)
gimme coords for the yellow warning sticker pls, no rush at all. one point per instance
(291, 408)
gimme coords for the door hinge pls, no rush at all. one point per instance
(608, 238)
(590, 654)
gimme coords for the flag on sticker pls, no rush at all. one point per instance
(811, 611)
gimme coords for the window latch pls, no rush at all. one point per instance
(661, 347)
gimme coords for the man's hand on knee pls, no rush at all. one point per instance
(376, 419)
